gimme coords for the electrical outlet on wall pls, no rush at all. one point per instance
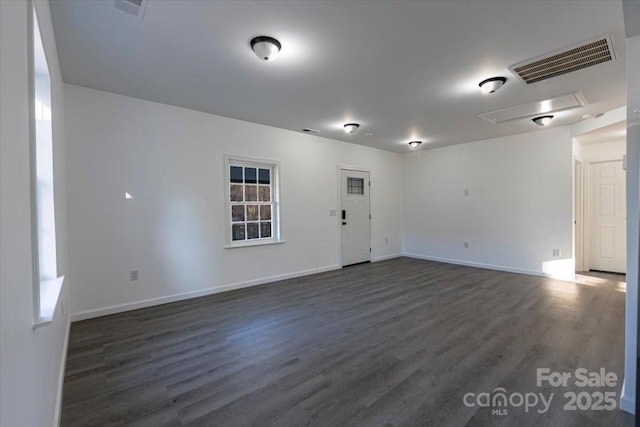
(466, 245)
(386, 240)
(133, 275)
(556, 252)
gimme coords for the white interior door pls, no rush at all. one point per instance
(608, 217)
(355, 216)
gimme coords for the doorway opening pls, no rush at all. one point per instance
(600, 227)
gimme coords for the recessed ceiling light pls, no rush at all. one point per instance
(351, 127)
(415, 144)
(265, 47)
(542, 120)
(492, 84)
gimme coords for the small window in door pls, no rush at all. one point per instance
(355, 186)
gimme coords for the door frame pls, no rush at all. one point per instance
(579, 215)
(586, 200)
(342, 167)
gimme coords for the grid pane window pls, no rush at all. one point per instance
(252, 230)
(264, 192)
(237, 193)
(252, 212)
(251, 201)
(250, 193)
(265, 212)
(355, 186)
(237, 213)
(236, 174)
(238, 231)
(250, 176)
(264, 176)
(265, 229)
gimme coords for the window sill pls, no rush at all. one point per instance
(50, 291)
(249, 244)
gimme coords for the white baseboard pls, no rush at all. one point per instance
(477, 265)
(61, 372)
(105, 311)
(385, 257)
(627, 403)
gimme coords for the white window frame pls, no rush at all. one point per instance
(47, 285)
(274, 167)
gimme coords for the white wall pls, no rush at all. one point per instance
(604, 151)
(31, 359)
(518, 207)
(173, 231)
(577, 150)
(628, 399)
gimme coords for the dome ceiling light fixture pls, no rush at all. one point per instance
(415, 144)
(542, 120)
(265, 47)
(351, 128)
(492, 84)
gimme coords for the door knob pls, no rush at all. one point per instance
(344, 222)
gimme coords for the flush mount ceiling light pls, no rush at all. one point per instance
(351, 127)
(542, 120)
(265, 47)
(415, 144)
(492, 84)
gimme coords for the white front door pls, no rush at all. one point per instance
(355, 216)
(608, 217)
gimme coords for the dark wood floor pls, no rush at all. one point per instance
(395, 343)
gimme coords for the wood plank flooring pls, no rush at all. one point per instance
(394, 343)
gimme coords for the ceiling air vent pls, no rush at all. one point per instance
(132, 7)
(565, 61)
(535, 108)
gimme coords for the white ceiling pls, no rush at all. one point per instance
(403, 70)
(614, 132)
